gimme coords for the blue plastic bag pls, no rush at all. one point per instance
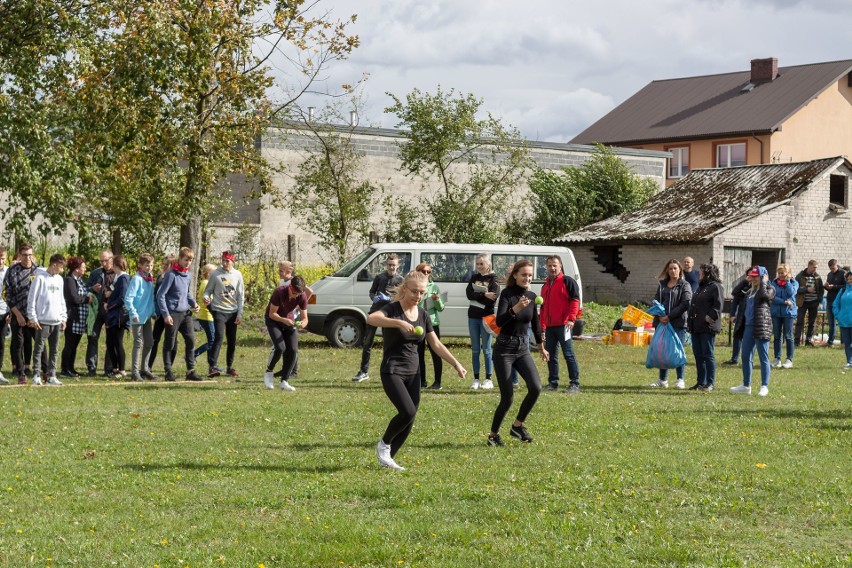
(665, 351)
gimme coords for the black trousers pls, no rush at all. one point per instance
(437, 362)
(22, 348)
(69, 350)
(367, 346)
(226, 328)
(512, 352)
(404, 392)
(285, 341)
(92, 346)
(115, 345)
(182, 323)
(3, 324)
(811, 309)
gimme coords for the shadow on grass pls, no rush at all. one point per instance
(828, 419)
(191, 466)
(636, 389)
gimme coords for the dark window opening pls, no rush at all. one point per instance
(610, 258)
(837, 192)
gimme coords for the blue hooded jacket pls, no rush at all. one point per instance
(782, 294)
(842, 307)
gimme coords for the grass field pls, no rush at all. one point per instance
(100, 473)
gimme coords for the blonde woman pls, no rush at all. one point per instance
(784, 311)
(675, 294)
(405, 326)
(482, 293)
(204, 317)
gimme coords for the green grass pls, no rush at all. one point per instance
(100, 473)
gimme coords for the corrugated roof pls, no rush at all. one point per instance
(707, 202)
(712, 106)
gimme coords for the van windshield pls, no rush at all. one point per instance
(350, 267)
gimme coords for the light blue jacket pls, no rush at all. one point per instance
(139, 300)
(782, 294)
(842, 307)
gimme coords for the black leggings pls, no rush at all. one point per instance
(69, 351)
(226, 328)
(285, 340)
(115, 346)
(404, 392)
(437, 362)
(512, 352)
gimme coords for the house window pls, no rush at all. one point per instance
(679, 162)
(730, 155)
(837, 192)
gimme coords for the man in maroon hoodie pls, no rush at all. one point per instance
(561, 296)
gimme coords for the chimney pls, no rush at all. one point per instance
(764, 70)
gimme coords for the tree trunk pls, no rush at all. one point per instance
(190, 236)
(116, 242)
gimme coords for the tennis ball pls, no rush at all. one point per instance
(539, 300)
(418, 330)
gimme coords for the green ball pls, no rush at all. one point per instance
(418, 330)
(539, 300)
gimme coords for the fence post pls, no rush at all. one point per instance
(291, 248)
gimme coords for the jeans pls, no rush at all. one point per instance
(784, 324)
(285, 341)
(750, 343)
(143, 343)
(511, 352)
(832, 322)
(514, 376)
(209, 327)
(553, 336)
(846, 340)
(738, 345)
(366, 347)
(226, 328)
(703, 349)
(664, 373)
(182, 323)
(49, 334)
(809, 308)
(480, 342)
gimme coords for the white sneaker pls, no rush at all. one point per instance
(777, 363)
(3, 380)
(269, 379)
(385, 459)
(680, 384)
(53, 381)
(487, 385)
(742, 389)
(764, 390)
(475, 385)
(360, 377)
(661, 383)
(37, 380)
(788, 364)
(847, 366)
(285, 386)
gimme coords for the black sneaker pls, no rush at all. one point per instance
(551, 387)
(573, 388)
(170, 377)
(92, 373)
(521, 433)
(68, 375)
(730, 363)
(193, 376)
(148, 376)
(696, 387)
(706, 388)
(495, 440)
(434, 387)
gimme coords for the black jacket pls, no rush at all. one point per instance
(482, 306)
(762, 315)
(675, 300)
(707, 301)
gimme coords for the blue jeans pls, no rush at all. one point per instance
(846, 339)
(209, 328)
(553, 336)
(738, 345)
(832, 322)
(514, 375)
(664, 373)
(703, 348)
(779, 322)
(480, 341)
(750, 343)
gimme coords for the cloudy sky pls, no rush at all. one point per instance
(552, 67)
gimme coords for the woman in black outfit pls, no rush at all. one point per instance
(77, 301)
(400, 369)
(704, 322)
(515, 313)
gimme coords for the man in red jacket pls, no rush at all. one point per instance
(561, 296)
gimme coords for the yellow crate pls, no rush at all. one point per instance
(635, 316)
(630, 338)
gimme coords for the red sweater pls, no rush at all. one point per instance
(561, 304)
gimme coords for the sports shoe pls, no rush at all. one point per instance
(475, 385)
(3, 380)
(214, 372)
(848, 366)
(53, 381)
(696, 387)
(269, 379)
(516, 386)
(550, 387)
(730, 363)
(68, 374)
(742, 389)
(521, 433)
(92, 372)
(495, 440)
(191, 375)
(764, 390)
(706, 388)
(434, 387)
(170, 377)
(385, 459)
(148, 376)
(136, 377)
(487, 385)
(22, 379)
(573, 388)
(37, 379)
(788, 364)
(285, 386)
(360, 377)
(680, 384)
(777, 363)
(660, 383)
(233, 373)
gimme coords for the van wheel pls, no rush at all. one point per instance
(346, 331)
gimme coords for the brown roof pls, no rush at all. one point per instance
(707, 202)
(713, 106)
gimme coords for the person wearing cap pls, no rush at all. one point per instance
(754, 325)
(226, 293)
(77, 300)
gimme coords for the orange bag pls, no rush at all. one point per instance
(491, 325)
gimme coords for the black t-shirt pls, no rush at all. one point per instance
(400, 349)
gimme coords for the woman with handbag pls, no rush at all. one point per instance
(674, 293)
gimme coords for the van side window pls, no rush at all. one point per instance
(503, 265)
(448, 266)
(377, 266)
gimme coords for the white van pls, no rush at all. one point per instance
(339, 307)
